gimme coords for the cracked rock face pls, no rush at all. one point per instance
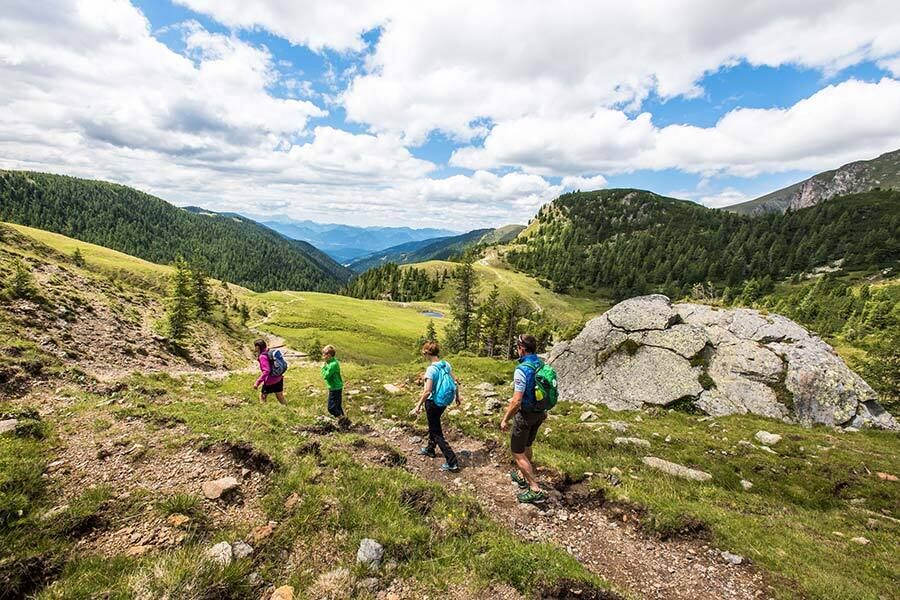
(648, 351)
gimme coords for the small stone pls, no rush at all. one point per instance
(766, 438)
(746, 484)
(631, 441)
(837, 533)
(453, 412)
(860, 540)
(177, 520)
(8, 425)
(137, 550)
(53, 512)
(370, 584)
(886, 476)
(220, 553)
(215, 489)
(588, 415)
(668, 439)
(734, 559)
(492, 405)
(285, 592)
(241, 549)
(392, 389)
(369, 553)
(261, 533)
(292, 501)
(416, 439)
(675, 469)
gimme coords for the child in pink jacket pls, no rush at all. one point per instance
(271, 384)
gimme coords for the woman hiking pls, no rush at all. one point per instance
(441, 389)
(271, 383)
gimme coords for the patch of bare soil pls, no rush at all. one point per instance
(605, 538)
(144, 465)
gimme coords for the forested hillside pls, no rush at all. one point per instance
(629, 242)
(390, 282)
(125, 219)
(437, 249)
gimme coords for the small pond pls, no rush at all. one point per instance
(433, 314)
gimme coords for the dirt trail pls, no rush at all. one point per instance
(602, 537)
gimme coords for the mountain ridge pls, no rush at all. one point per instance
(855, 177)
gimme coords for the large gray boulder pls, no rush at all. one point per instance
(647, 351)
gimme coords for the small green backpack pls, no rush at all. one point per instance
(545, 391)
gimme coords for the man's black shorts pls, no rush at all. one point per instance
(525, 426)
(274, 388)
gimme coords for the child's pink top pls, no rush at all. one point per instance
(266, 368)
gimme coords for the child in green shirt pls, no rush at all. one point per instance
(331, 373)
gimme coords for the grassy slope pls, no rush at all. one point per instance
(568, 310)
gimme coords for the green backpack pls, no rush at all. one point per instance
(545, 391)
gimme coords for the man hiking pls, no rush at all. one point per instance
(527, 414)
(441, 389)
(271, 377)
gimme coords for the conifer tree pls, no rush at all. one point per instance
(203, 299)
(78, 258)
(180, 303)
(22, 284)
(464, 307)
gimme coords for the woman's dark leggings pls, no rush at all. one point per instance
(436, 433)
(335, 406)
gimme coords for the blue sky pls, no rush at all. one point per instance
(444, 114)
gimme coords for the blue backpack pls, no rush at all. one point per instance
(443, 388)
(277, 364)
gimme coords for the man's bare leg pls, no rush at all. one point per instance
(527, 470)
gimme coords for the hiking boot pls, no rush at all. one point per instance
(518, 480)
(427, 452)
(450, 468)
(531, 497)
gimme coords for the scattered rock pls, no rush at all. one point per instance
(8, 425)
(766, 438)
(392, 389)
(214, 490)
(860, 540)
(631, 441)
(292, 501)
(335, 584)
(886, 476)
(285, 592)
(220, 553)
(370, 553)
(587, 416)
(733, 559)
(675, 469)
(416, 439)
(261, 533)
(746, 484)
(177, 520)
(138, 550)
(492, 405)
(241, 549)
(55, 511)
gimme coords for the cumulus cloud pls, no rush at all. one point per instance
(838, 124)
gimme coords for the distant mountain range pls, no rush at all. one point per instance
(436, 249)
(860, 176)
(228, 246)
(345, 242)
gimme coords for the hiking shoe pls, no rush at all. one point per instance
(518, 480)
(450, 468)
(427, 452)
(531, 497)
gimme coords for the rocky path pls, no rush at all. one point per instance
(604, 538)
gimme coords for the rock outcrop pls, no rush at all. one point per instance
(722, 361)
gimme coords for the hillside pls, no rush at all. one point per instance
(345, 243)
(105, 486)
(436, 249)
(125, 219)
(629, 242)
(860, 176)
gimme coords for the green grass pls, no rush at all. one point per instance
(364, 331)
(565, 309)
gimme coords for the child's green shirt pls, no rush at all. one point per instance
(331, 373)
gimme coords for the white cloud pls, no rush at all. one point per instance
(838, 124)
(585, 184)
(319, 25)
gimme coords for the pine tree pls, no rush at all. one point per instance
(78, 258)
(430, 332)
(180, 303)
(314, 350)
(22, 284)
(464, 307)
(203, 299)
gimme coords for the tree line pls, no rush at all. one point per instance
(628, 242)
(124, 219)
(391, 282)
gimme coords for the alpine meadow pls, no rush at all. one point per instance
(500, 301)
